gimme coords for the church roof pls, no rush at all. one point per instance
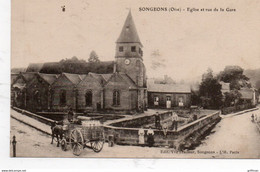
(28, 75)
(124, 77)
(78, 67)
(74, 78)
(49, 78)
(102, 78)
(129, 33)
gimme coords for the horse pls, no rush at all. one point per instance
(57, 131)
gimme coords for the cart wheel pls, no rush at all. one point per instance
(76, 140)
(63, 145)
(97, 146)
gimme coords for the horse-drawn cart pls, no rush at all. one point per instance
(80, 136)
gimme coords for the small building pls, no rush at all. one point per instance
(64, 92)
(168, 95)
(38, 91)
(249, 95)
(225, 87)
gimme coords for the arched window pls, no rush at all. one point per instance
(116, 98)
(63, 97)
(88, 98)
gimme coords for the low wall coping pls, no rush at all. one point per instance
(180, 129)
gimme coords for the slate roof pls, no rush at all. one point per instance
(28, 76)
(74, 78)
(124, 77)
(13, 77)
(102, 78)
(168, 88)
(129, 33)
(78, 67)
(49, 78)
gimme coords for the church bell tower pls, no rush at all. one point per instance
(129, 54)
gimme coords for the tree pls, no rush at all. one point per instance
(234, 75)
(93, 57)
(210, 91)
(231, 98)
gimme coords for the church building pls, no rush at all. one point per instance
(119, 85)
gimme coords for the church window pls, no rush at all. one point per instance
(116, 98)
(88, 98)
(63, 97)
(121, 49)
(133, 48)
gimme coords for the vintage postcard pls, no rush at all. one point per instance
(135, 79)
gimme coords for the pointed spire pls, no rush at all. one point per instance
(129, 33)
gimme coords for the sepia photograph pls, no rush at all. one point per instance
(155, 79)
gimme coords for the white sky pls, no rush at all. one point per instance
(188, 42)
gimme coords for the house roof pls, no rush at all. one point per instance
(246, 93)
(129, 33)
(49, 78)
(102, 78)
(168, 88)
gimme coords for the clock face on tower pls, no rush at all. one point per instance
(127, 61)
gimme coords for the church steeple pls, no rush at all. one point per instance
(129, 33)
(128, 44)
(129, 53)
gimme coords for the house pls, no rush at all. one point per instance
(225, 87)
(249, 95)
(39, 92)
(168, 95)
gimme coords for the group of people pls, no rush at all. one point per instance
(159, 126)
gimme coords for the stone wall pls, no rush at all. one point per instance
(129, 136)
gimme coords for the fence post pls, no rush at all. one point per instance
(14, 146)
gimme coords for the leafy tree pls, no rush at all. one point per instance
(210, 91)
(231, 98)
(93, 57)
(234, 75)
(195, 98)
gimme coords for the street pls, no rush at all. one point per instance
(233, 137)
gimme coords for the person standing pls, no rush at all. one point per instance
(70, 115)
(165, 129)
(174, 121)
(253, 117)
(157, 121)
(141, 136)
(150, 137)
